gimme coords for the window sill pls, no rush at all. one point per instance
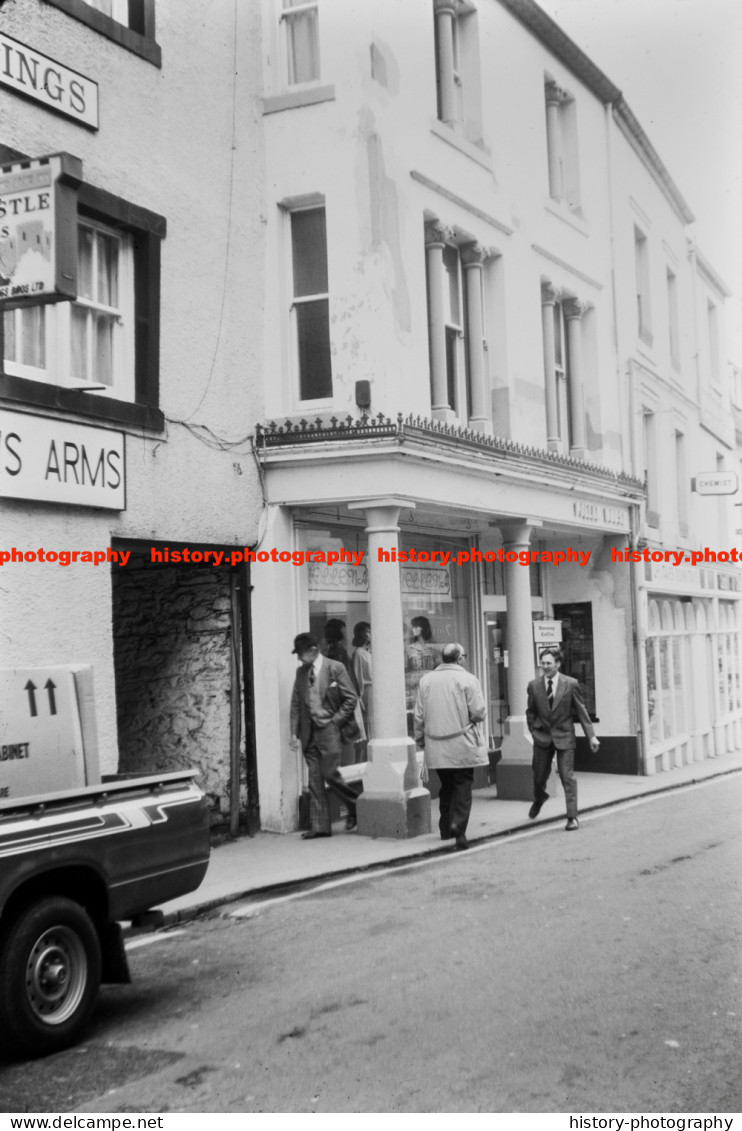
(295, 98)
(477, 153)
(37, 394)
(142, 45)
(571, 216)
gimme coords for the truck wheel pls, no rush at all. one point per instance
(50, 969)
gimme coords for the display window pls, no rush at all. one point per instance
(436, 608)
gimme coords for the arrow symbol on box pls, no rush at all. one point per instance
(52, 702)
(30, 688)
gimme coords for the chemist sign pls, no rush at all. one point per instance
(41, 745)
(715, 483)
(38, 230)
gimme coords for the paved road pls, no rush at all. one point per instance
(550, 972)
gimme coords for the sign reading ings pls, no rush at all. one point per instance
(58, 462)
(38, 230)
(36, 76)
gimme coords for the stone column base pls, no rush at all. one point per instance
(397, 815)
(514, 771)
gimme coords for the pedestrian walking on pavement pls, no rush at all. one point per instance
(449, 713)
(553, 701)
(323, 701)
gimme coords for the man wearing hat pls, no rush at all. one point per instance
(323, 700)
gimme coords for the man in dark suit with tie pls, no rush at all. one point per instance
(553, 701)
(322, 701)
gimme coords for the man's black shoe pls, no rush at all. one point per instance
(313, 836)
(350, 823)
(571, 825)
(461, 841)
(535, 809)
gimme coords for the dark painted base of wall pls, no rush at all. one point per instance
(618, 754)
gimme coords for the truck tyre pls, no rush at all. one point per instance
(50, 970)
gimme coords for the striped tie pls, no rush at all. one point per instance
(550, 692)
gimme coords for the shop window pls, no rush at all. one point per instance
(310, 308)
(106, 342)
(130, 23)
(300, 19)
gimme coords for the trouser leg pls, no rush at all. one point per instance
(461, 798)
(444, 801)
(542, 759)
(319, 807)
(566, 768)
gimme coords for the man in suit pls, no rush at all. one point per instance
(322, 701)
(553, 701)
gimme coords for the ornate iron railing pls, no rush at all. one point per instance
(450, 436)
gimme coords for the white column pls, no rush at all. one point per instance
(473, 257)
(573, 312)
(554, 99)
(513, 773)
(393, 803)
(549, 296)
(436, 238)
(445, 14)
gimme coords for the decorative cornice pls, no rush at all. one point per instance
(303, 433)
(567, 266)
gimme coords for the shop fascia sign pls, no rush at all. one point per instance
(38, 230)
(36, 76)
(715, 483)
(55, 461)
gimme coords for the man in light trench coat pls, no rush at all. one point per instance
(449, 713)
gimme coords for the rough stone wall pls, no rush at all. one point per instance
(172, 640)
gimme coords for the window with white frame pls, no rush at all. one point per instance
(128, 23)
(89, 342)
(310, 307)
(563, 331)
(561, 145)
(458, 82)
(117, 9)
(300, 20)
(643, 304)
(454, 323)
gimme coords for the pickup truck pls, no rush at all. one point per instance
(73, 864)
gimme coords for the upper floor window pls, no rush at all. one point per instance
(130, 23)
(301, 25)
(561, 145)
(712, 315)
(673, 318)
(457, 67)
(106, 341)
(643, 304)
(563, 323)
(87, 343)
(310, 307)
(456, 326)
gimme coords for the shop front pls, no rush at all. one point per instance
(387, 580)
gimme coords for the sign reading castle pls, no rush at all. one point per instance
(38, 230)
